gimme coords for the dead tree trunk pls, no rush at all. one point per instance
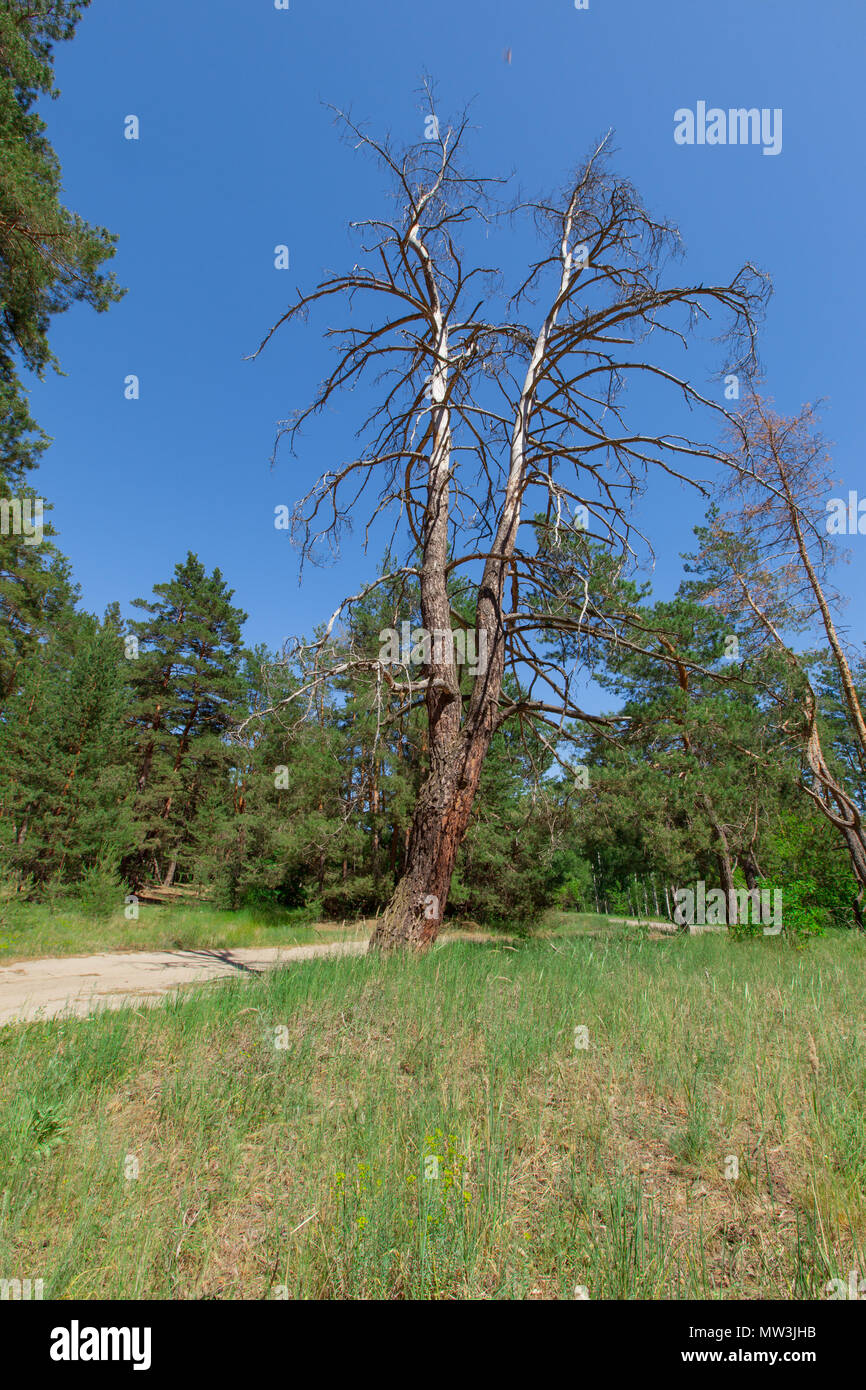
(413, 917)
(786, 519)
(457, 755)
(542, 436)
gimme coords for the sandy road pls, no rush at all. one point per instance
(80, 985)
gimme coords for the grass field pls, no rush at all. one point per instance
(31, 930)
(284, 1129)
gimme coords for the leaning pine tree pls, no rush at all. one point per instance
(485, 420)
(769, 558)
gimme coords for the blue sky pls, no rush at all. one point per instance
(238, 154)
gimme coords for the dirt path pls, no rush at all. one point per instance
(79, 985)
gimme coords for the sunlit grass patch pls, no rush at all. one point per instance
(439, 1128)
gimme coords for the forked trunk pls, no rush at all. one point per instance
(413, 918)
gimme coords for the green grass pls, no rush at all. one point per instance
(308, 1167)
(29, 930)
(32, 930)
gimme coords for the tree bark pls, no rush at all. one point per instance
(750, 868)
(839, 808)
(722, 854)
(413, 918)
(457, 754)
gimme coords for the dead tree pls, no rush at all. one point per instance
(487, 419)
(772, 552)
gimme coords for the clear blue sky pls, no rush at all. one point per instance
(237, 154)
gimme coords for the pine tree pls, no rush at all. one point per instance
(36, 589)
(188, 693)
(66, 776)
(50, 257)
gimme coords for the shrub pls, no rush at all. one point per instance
(101, 890)
(802, 911)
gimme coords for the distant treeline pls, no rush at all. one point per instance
(163, 752)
